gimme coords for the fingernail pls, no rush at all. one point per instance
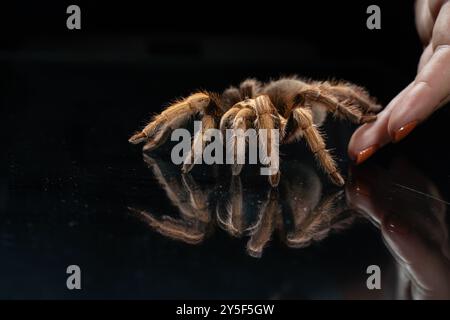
(404, 131)
(366, 153)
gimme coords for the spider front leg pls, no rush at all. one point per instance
(346, 90)
(304, 126)
(268, 119)
(315, 96)
(175, 116)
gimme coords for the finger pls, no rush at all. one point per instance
(426, 12)
(428, 268)
(441, 36)
(425, 57)
(432, 85)
(424, 20)
(429, 91)
(368, 138)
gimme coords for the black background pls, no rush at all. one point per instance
(70, 99)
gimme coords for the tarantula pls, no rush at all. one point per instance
(313, 213)
(293, 106)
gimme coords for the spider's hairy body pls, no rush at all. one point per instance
(293, 106)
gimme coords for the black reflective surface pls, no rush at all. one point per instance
(73, 191)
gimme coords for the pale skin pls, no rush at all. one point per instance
(428, 92)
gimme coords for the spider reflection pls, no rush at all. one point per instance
(299, 211)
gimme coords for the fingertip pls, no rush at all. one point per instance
(354, 144)
(366, 141)
(403, 131)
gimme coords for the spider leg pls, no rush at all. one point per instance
(243, 121)
(227, 119)
(344, 90)
(267, 118)
(249, 88)
(304, 122)
(175, 116)
(248, 114)
(312, 97)
(233, 97)
(198, 144)
(264, 227)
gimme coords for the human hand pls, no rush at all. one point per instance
(409, 211)
(429, 91)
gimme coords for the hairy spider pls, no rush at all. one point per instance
(313, 212)
(295, 107)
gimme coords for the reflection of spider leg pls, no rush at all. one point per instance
(302, 118)
(177, 229)
(170, 181)
(316, 225)
(187, 196)
(264, 227)
(343, 109)
(231, 215)
(199, 200)
(175, 116)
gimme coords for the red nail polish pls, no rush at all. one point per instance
(404, 131)
(366, 153)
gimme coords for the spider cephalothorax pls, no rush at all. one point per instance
(294, 107)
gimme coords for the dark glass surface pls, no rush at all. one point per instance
(74, 191)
